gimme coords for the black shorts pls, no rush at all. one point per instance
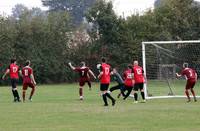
(138, 86)
(14, 83)
(104, 87)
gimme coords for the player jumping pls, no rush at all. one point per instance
(84, 72)
(191, 77)
(28, 80)
(14, 71)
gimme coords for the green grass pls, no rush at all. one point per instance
(57, 108)
(161, 88)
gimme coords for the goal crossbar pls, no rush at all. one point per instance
(170, 42)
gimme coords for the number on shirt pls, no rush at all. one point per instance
(129, 76)
(14, 69)
(107, 70)
(26, 72)
(139, 71)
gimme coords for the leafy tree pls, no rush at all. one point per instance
(76, 8)
(40, 37)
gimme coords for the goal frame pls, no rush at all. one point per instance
(144, 64)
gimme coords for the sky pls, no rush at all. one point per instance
(7, 5)
(126, 7)
(121, 7)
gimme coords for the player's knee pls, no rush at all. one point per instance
(186, 90)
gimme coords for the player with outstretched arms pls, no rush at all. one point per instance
(84, 73)
(28, 80)
(140, 79)
(128, 81)
(104, 77)
(13, 70)
(191, 77)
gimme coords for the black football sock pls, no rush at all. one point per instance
(105, 99)
(122, 92)
(142, 94)
(14, 95)
(17, 95)
(110, 97)
(135, 96)
(32, 92)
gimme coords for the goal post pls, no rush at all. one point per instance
(161, 60)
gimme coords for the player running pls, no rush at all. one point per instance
(13, 70)
(84, 73)
(191, 77)
(104, 77)
(139, 81)
(128, 81)
(119, 80)
(28, 80)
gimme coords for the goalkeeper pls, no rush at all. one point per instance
(119, 80)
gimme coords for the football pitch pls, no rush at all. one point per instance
(58, 108)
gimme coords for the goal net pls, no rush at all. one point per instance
(162, 60)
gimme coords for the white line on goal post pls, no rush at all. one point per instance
(144, 68)
(144, 65)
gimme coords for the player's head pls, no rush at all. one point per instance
(185, 65)
(103, 60)
(114, 70)
(13, 61)
(27, 63)
(82, 63)
(135, 63)
(129, 66)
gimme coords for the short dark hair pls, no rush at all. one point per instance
(27, 62)
(103, 59)
(12, 60)
(82, 63)
(129, 66)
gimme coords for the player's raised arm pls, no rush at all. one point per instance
(92, 74)
(71, 66)
(6, 73)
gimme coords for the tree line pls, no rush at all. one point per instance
(52, 38)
